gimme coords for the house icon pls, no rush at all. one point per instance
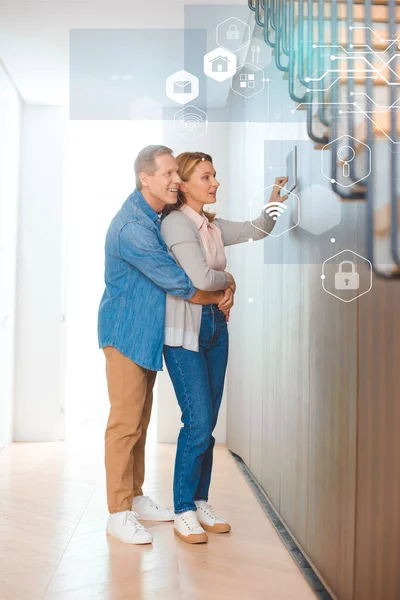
(220, 64)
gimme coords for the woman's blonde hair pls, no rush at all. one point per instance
(187, 162)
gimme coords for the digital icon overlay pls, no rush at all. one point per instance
(275, 209)
(250, 80)
(233, 34)
(346, 275)
(190, 122)
(182, 87)
(220, 64)
(347, 280)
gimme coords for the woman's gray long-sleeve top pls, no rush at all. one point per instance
(183, 319)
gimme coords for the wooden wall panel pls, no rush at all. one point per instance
(294, 422)
(333, 380)
(330, 412)
(272, 382)
(377, 572)
(308, 411)
(238, 409)
(255, 333)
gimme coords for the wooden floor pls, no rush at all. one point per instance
(53, 544)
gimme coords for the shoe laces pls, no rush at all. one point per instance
(191, 522)
(210, 511)
(131, 518)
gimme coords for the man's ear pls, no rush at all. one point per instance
(144, 179)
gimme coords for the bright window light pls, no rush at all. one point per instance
(99, 177)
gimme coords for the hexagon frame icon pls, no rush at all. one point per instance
(194, 121)
(254, 68)
(233, 21)
(323, 277)
(290, 194)
(180, 80)
(329, 176)
(318, 218)
(222, 55)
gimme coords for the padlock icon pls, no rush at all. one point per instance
(347, 280)
(233, 33)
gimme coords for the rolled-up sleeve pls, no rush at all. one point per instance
(140, 247)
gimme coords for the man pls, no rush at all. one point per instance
(138, 273)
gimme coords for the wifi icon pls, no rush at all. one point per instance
(275, 209)
(191, 120)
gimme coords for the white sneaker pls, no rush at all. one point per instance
(125, 527)
(209, 519)
(188, 528)
(148, 510)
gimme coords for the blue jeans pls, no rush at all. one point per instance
(198, 379)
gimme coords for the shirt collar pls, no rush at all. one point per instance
(139, 200)
(194, 216)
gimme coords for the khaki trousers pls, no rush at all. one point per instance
(130, 389)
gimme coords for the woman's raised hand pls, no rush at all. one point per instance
(280, 183)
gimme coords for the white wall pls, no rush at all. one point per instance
(39, 335)
(10, 117)
(99, 178)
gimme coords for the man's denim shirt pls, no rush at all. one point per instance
(138, 273)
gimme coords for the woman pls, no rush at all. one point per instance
(196, 337)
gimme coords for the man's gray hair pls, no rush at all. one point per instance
(145, 161)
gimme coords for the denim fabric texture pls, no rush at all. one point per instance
(138, 273)
(198, 380)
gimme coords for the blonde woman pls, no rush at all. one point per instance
(196, 337)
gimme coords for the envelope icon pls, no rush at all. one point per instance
(182, 87)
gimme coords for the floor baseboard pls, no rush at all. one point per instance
(311, 576)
